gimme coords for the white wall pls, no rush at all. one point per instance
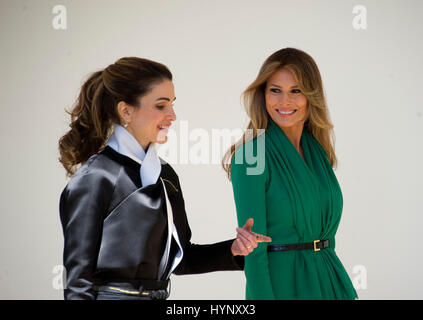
(372, 79)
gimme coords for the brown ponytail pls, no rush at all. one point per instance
(95, 110)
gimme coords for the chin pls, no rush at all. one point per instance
(162, 141)
(285, 124)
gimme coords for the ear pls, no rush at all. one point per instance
(125, 112)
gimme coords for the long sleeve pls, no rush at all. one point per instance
(83, 205)
(208, 258)
(202, 258)
(199, 258)
(250, 201)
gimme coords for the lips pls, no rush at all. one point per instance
(162, 134)
(164, 127)
(286, 113)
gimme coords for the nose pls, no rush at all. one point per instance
(172, 114)
(285, 99)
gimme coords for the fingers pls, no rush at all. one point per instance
(242, 248)
(247, 243)
(258, 237)
(248, 224)
(248, 238)
(262, 238)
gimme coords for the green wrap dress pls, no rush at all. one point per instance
(292, 200)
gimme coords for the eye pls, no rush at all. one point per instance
(160, 107)
(296, 91)
(275, 90)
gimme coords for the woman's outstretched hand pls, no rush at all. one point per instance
(246, 240)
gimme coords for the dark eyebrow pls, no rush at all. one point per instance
(275, 85)
(163, 98)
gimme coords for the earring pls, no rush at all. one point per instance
(126, 124)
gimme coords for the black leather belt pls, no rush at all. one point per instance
(154, 289)
(316, 245)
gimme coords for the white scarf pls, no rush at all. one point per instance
(123, 142)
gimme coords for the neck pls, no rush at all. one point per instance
(294, 135)
(143, 144)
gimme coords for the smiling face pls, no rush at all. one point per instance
(285, 103)
(150, 122)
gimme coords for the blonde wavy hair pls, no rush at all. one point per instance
(309, 80)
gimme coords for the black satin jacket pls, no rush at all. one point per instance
(115, 229)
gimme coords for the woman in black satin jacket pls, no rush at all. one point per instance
(122, 212)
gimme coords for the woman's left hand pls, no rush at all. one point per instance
(246, 240)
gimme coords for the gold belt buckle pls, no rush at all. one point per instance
(314, 244)
(123, 290)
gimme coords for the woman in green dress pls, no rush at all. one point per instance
(290, 189)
